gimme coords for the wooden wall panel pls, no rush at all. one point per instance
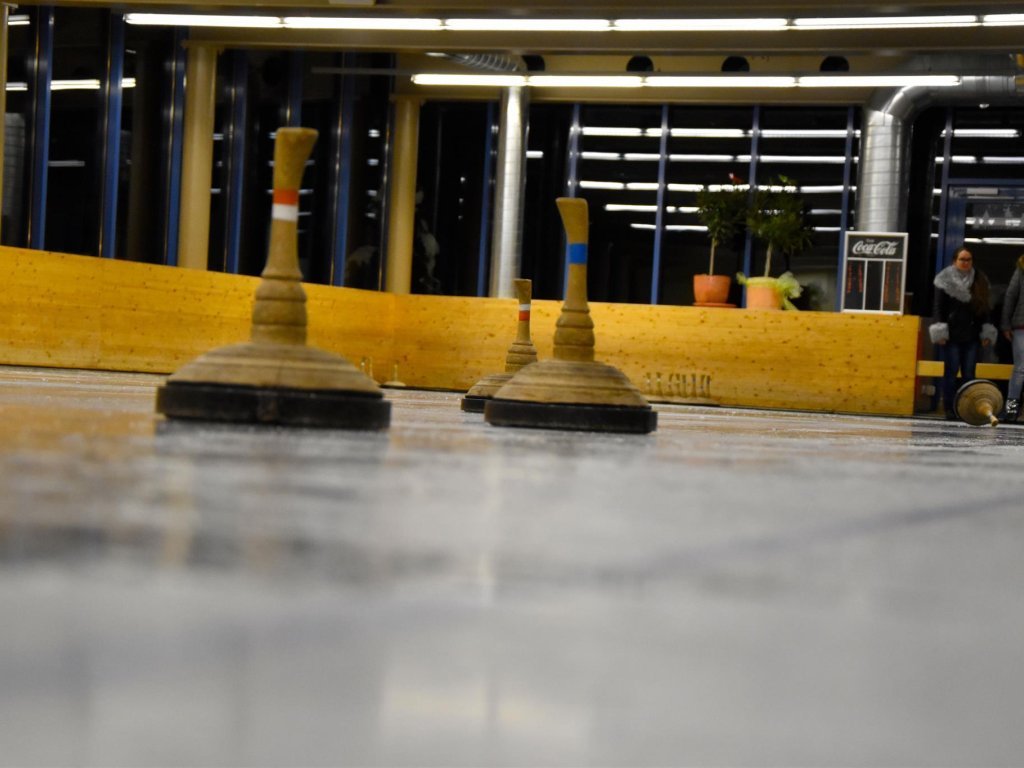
(74, 311)
(85, 312)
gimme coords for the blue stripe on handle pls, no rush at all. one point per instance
(577, 253)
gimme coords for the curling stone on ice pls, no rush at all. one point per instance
(977, 402)
(276, 378)
(571, 390)
(520, 353)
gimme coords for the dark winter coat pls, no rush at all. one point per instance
(958, 318)
(1013, 303)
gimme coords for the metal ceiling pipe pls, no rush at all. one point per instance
(509, 192)
(510, 172)
(883, 175)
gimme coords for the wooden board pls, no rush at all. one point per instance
(83, 312)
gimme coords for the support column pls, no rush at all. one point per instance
(402, 196)
(509, 188)
(39, 155)
(4, 11)
(113, 84)
(197, 159)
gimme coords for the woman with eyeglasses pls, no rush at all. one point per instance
(961, 327)
(1013, 329)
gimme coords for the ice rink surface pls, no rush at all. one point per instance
(738, 588)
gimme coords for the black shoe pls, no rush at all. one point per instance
(1010, 411)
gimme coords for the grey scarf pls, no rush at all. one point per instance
(956, 282)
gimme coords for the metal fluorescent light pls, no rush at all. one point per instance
(609, 131)
(806, 133)
(502, 81)
(985, 133)
(528, 25)
(642, 186)
(86, 84)
(600, 155)
(886, 22)
(18, 20)
(1002, 19)
(635, 208)
(642, 156)
(876, 81)
(672, 227)
(720, 81)
(822, 159)
(602, 185)
(709, 133)
(356, 22)
(698, 25)
(585, 81)
(201, 20)
(696, 158)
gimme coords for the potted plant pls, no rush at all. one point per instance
(723, 210)
(776, 219)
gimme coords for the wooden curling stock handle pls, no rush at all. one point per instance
(279, 312)
(574, 333)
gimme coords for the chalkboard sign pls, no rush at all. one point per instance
(874, 268)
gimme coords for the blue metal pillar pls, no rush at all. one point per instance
(659, 216)
(341, 171)
(42, 77)
(755, 150)
(113, 76)
(844, 216)
(572, 181)
(235, 141)
(293, 99)
(175, 143)
(486, 195)
(947, 162)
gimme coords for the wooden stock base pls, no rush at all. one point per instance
(589, 418)
(328, 409)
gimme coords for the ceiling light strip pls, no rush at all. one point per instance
(363, 23)
(528, 25)
(668, 81)
(699, 25)
(499, 25)
(887, 22)
(202, 20)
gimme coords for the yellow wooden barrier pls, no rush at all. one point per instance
(984, 370)
(83, 312)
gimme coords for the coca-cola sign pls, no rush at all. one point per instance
(876, 248)
(874, 264)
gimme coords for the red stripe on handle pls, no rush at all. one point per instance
(286, 197)
(524, 314)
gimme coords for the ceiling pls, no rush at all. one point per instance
(784, 50)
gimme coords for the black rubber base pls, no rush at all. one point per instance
(589, 418)
(329, 409)
(475, 403)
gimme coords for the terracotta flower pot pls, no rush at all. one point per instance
(763, 293)
(711, 289)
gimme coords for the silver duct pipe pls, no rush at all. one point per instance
(495, 62)
(510, 175)
(509, 192)
(883, 175)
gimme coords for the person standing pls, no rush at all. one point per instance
(1013, 329)
(962, 309)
